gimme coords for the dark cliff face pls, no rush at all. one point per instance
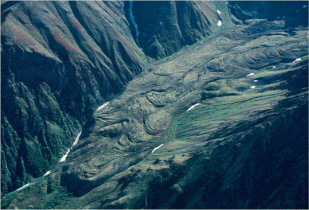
(172, 24)
(292, 12)
(61, 60)
(222, 124)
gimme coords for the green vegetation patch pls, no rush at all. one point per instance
(8, 199)
(59, 196)
(213, 112)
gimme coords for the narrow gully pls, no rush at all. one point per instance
(63, 157)
(133, 21)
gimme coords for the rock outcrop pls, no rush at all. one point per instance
(173, 24)
(292, 12)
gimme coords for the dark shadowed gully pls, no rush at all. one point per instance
(217, 116)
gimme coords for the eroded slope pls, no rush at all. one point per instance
(231, 113)
(60, 61)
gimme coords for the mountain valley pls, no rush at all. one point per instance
(197, 105)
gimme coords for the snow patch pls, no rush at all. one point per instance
(156, 148)
(102, 106)
(65, 156)
(133, 21)
(251, 74)
(297, 60)
(191, 107)
(26, 185)
(219, 23)
(76, 140)
(68, 151)
(255, 80)
(252, 87)
(47, 173)
(219, 12)
(274, 67)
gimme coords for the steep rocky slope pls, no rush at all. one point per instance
(173, 24)
(294, 13)
(60, 61)
(222, 124)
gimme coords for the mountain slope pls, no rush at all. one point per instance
(173, 24)
(60, 61)
(57, 68)
(292, 12)
(231, 113)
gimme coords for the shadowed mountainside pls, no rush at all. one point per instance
(60, 61)
(173, 24)
(242, 145)
(294, 13)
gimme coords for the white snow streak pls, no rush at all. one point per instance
(219, 23)
(255, 80)
(156, 148)
(297, 59)
(191, 107)
(133, 21)
(252, 87)
(47, 173)
(26, 185)
(274, 67)
(219, 12)
(102, 106)
(76, 140)
(251, 74)
(65, 156)
(74, 143)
